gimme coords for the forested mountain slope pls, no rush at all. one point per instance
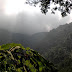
(57, 47)
(56, 37)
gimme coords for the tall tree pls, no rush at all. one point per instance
(64, 6)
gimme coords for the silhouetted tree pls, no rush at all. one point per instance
(64, 6)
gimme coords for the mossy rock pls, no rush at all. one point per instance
(16, 58)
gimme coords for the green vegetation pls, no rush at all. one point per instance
(16, 58)
(57, 47)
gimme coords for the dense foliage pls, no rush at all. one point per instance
(57, 47)
(16, 58)
(64, 6)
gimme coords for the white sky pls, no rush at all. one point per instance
(16, 6)
(13, 7)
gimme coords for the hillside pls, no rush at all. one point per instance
(36, 39)
(55, 37)
(55, 46)
(10, 37)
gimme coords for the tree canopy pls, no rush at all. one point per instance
(64, 6)
(16, 58)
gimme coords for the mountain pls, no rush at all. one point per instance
(4, 36)
(36, 39)
(55, 37)
(26, 40)
(10, 37)
(55, 46)
(43, 40)
(20, 38)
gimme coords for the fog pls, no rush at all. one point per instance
(26, 22)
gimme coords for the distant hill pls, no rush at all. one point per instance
(55, 46)
(36, 39)
(26, 40)
(10, 37)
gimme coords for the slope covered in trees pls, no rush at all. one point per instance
(57, 47)
(16, 58)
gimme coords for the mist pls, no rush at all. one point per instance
(29, 23)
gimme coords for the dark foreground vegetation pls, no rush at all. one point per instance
(16, 58)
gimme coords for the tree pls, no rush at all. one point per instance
(16, 58)
(64, 6)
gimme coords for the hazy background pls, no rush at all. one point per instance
(18, 17)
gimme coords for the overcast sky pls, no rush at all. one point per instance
(19, 17)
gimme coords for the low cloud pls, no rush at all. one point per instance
(27, 23)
